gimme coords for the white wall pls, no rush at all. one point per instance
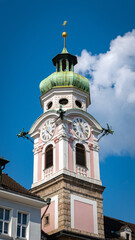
(34, 216)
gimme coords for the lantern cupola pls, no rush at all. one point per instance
(67, 80)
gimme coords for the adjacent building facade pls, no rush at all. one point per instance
(20, 211)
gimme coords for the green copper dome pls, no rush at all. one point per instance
(64, 75)
(64, 79)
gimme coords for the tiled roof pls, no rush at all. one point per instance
(112, 226)
(11, 185)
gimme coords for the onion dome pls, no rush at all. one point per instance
(64, 79)
(64, 75)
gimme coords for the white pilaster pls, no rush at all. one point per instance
(88, 162)
(35, 165)
(61, 154)
(35, 170)
(96, 164)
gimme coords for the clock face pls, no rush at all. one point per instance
(81, 128)
(47, 130)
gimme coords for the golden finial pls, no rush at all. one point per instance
(64, 34)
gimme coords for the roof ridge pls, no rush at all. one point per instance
(121, 221)
(10, 184)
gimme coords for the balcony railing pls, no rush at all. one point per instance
(48, 172)
(81, 170)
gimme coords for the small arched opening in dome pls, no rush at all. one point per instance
(49, 105)
(63, 65)
(57, 67)
(63, 101)
(78, 103)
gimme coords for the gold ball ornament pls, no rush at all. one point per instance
(64, 34)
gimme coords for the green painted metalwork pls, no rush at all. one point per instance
(64, 75)
(64, 50)
(64, 79)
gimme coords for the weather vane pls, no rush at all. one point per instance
(64, 34)
(106, 131)
(24, 135)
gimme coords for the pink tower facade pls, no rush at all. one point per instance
(66, 154)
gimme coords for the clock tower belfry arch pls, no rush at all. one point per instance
(66, 154)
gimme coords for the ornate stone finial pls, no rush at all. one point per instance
(64, 34)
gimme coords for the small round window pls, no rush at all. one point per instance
(63, 101)
(49, 105)
(78, 103)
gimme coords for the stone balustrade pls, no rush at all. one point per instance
(48, 172)
(81, 170)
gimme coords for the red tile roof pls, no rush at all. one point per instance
(112, 226)
(11, 185)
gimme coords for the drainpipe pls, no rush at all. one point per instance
(48, 202)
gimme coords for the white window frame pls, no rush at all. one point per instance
(21, 224)
(87, 157)
(43, 157)
(6, 221)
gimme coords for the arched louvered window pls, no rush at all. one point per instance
(80, 155)
(49, 156)
(63, 65)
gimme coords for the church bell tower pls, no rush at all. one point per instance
(66, 155)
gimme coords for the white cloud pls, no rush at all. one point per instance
(112, 84)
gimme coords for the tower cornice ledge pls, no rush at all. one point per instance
(68, 235)
(70, 180)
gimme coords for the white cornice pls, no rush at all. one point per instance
(65, 90)
(21, 199)
(76, 112)
(41, 118)
(69, 173)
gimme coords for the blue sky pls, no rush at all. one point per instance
(30, 38)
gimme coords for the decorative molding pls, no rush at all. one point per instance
(68, 173)
(38, 149)
(68, 97)
(41, 119)
(71, 139)
(48, 172)
(96, 148)
(87, 201)
(81, 170)
(88, 117)
(55, 139)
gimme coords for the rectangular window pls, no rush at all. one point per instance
(47, 220)
(22, 225)
(4, 220)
